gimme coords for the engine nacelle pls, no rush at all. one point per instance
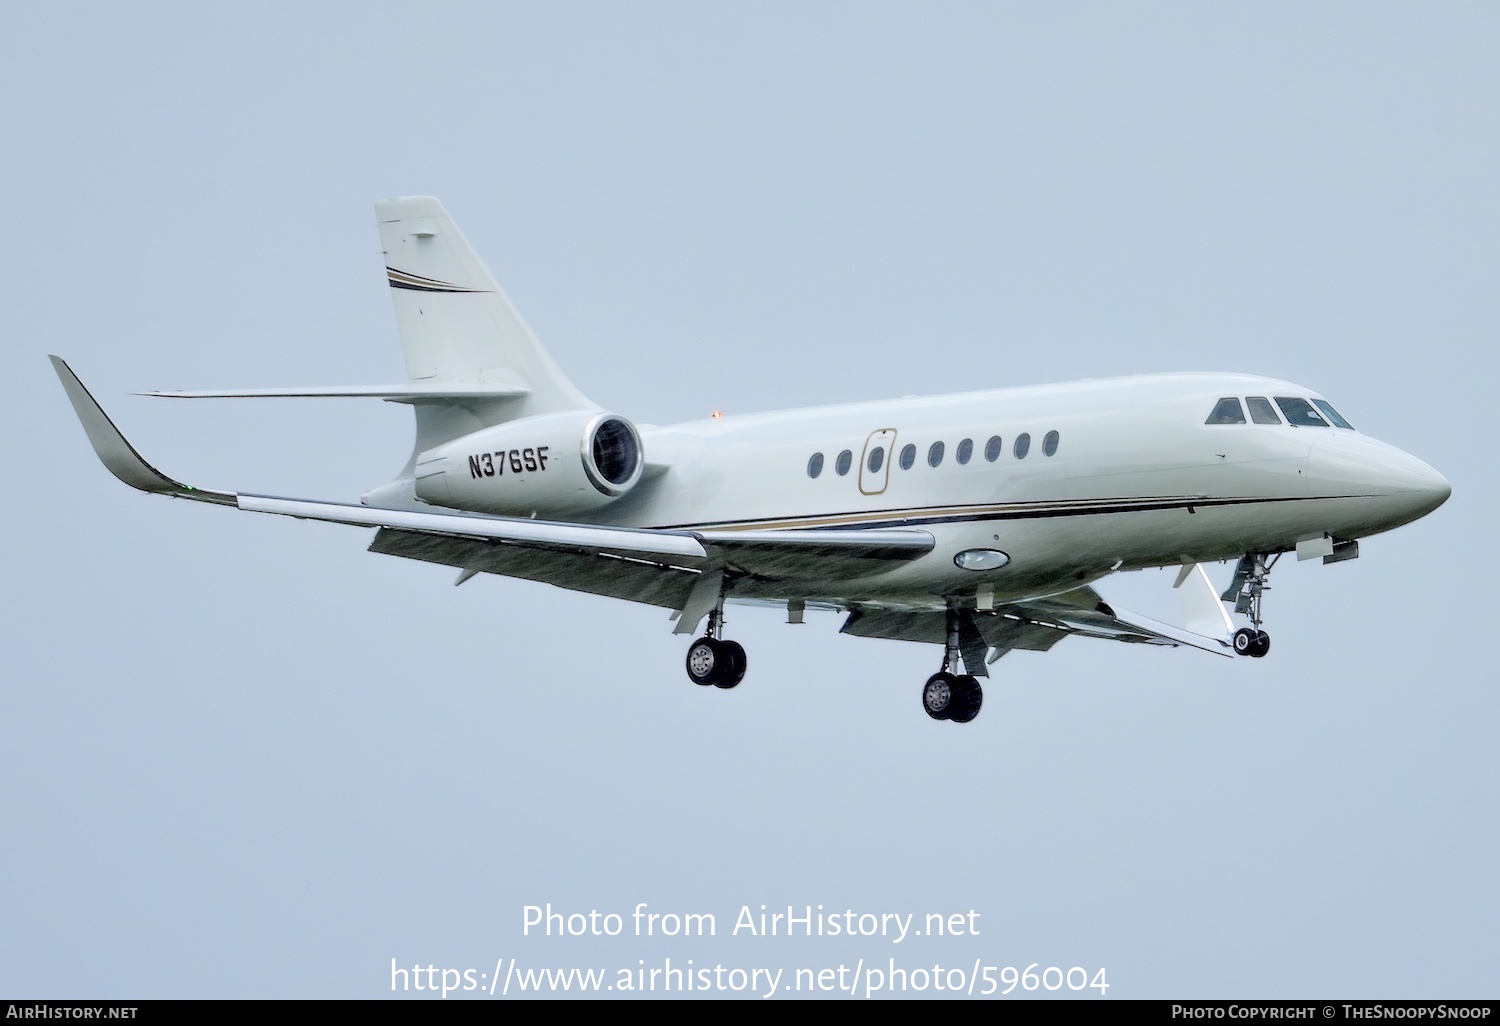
(554, 465)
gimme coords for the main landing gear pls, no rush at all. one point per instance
(1246, 591)
(712, 660)
(1251, 642)
(948, 695)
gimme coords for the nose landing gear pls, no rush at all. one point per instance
(1246, 591)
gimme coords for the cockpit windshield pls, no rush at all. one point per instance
(1332, 414)
(1228, 411)
(1299, 412)
(1261, 410)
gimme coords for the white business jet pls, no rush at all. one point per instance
(976, 522)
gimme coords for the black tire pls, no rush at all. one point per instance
(734, 664)
(706, 661)
(1245, 641)
(967, 698)
(937, 695)
(1262, 645)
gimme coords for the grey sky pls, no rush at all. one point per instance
(242, 757)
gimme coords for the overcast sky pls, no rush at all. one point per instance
(241, 757)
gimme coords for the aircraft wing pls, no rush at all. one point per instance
(1083, 612)
(1034, 625)
(659, 567)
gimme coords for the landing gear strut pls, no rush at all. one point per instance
(712, 660)
(948, 695)
(1246, 592)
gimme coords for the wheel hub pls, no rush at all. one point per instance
(701, 659)
(937, 695)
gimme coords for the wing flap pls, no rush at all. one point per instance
(780, 555)
(655, 584)
(897, 625)
(1006, 634)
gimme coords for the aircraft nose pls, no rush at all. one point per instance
(1358, 465)
(1405, 476)
(1435, 487)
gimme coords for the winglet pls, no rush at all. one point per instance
(117, 454)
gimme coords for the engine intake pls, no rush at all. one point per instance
(612, 454)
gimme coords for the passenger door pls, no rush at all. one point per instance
(875, 461)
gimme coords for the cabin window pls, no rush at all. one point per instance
(1049, 444)
(845, 461)
(877, 459)
(1261, 410)
(815, 465)
(1228, 411)
(1332, 414)
(1299, 412)
(1023, 445)
(992, 449)
(908, 457)
(964, 451)
(935, 454)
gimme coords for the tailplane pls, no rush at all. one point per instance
(471, 361)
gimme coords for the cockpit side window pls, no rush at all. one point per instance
(1299, 412)
(1261, 410)
(1332, 414)
(1228, 411)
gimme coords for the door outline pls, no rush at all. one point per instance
(887, 438)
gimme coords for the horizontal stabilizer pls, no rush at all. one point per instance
(408, 393)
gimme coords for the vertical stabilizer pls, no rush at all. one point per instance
(457, 328)
(456, 324)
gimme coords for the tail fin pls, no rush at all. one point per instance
(456, 324)
(458, 330)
